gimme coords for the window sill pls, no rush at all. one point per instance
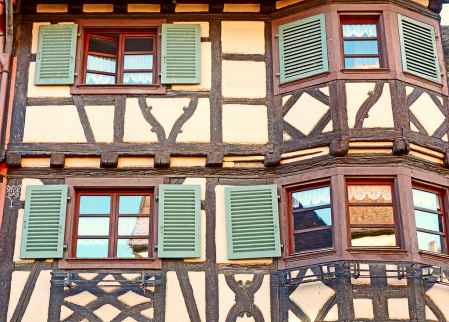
(309, 254)
(422, 79)
(377, 250)
(87, 263)
(307, 258)
(436, 256)
(366, 71)
(305, 79)
(118, 89)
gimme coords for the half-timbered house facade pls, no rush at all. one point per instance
(217, 161)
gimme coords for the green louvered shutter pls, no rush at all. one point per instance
(181, 54)
(55, 59)
(252, 222)
(44, 221)
(302, 48)
(418, 48)
(179, 234)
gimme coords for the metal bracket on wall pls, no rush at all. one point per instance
(319, 273)
(353, 270)
(434, 274)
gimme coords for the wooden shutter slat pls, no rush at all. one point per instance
(181, 54)
(302, 48)
(252, 222)
(44, 221)
(55, 59)
(179, 221)
(418, 48)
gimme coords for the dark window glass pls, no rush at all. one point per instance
(103, 46)
(371, 215)
(429, 219)
(139, 44)
(311, 218)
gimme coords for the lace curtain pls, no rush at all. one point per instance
(102, 64)
(99, 79)
(311, 198)
(138, 62)
(359, 192)
(425, 199)
(359, 30)
(138, 78)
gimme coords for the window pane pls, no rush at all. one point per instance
(139, 44)
(430, 242)
(99, 79)
(138, 62)
(313, 240)
(138, 78)
(312, 219)
(134, 205)
(424, 199)
(359, 30)
(311, 198)
(133, 226)
(93, 226)
(95, 205)
(362, 63)
(369, 193)
(92, 248)
(376, 237)
(104, 46)
(132, 248)
(371, 215)
(429, 221)
(360, 47)
(102, 64)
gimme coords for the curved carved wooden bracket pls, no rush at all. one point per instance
(401, 146)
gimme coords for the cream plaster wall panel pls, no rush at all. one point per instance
(444, 138)
(18, 281)
(332, 315)
(167, 110)
(37, 309)
(285, 99)
(398, 309)
(65, 312)
(84, 298)
(244, 79)
(107, 312)
(262, 298)
(392, 278)
(292, 317)
(413, 127)
(426, 157)
(220, 235)
(136, 128)
(144, 7)
(198, 282)
(303, 154)
(175, 308)
(287, 137)
(370, 144)
(306, 113)
(248, 164)
(52, 8)
(88, 7)
(285, 3)
(202, 258)
(381, 113)
(197, 127)
(369, 151)
(365, 280)
(187, 7)
(329, 127)
(408, 90)
(245, 123)
(424, 3)
(430, 315)
(135, 162)
(363, 309)
(324, 90)
(356, 94)
(35, 162)
(206, 71)
(204, 27)
(311, 297)
(226, 298)
(82, 162)
(101, 119)
(35, 38)
(44, 90)
(53, 124)
(439, 295)
(426, 150)
(28, 182)
(234, 41)
(244, 278)
(197, 181)
(234, 7)
(427, 113)
(188, 162)
(245, 319)
(244, 158)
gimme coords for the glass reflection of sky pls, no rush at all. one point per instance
(130, 205)
(92, 248)
(311, 198)
(429, 242)
(427, 220)
(95, 205)
(358, 47)
(131, 248)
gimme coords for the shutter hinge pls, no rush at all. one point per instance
(157, 198)
(65, 247)
(155, 247)
(277, 36)
(278, 74)
(78, 35)
(69, 199)
(436, 35)
(160, 35)
(76, 74)
(279, 198)
(282, 247)
(442, 74)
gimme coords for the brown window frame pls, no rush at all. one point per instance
(291, 212)
(359, 19)
(97, 186)
(396, 226)
(113, 219)
(441, 193)
(87, 27)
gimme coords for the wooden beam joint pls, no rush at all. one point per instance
(214, 159)
(57, 160)
(162, 160)
(14, 160)
(339, 148)
(109, 160)
(401, 146)
(272, 159)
